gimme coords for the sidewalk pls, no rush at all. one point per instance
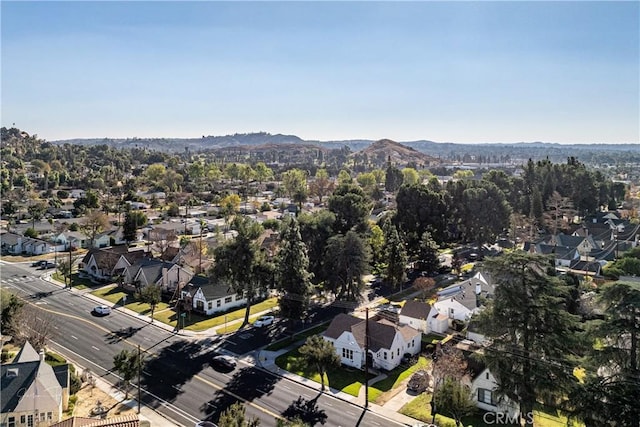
(267, 360)
(264, 359)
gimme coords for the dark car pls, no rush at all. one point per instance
(47, 265)
(223, 361)
(419, 382)
(39, 263)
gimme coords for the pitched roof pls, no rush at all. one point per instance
(16, 378)
(415, 309)
(381, 332)
(10, 238)
(210, 291)
(27, 354)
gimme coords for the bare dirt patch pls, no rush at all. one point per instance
(88, 398)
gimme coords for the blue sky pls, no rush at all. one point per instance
(565, 72)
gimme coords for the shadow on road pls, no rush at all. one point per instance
(306, 410)
(247, 383)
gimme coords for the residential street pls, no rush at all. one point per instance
(178, 381)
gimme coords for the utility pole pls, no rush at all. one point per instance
(70, 268)
(139, 368)
(366, 358)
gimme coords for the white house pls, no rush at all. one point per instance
(388, 342)
(483, 387)
(72, 239)
(155, 272)
(29, 383)
(209, 298)
(415, 314)
(105, 264)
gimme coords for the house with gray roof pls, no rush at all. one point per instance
(209, 298)
(108, 263)
(32, 392)
(415, 314)
(387, 342)
(146, 271)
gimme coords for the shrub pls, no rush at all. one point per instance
(75, 383)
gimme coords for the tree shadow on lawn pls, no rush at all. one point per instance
(171, 368)
(247, 384)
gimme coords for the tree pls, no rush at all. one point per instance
(448, 364)
(316, 229)
(127, 364)
(95, 223)
(351, 207)
(262, 172)
(410, 176)
(229, 205)
(393, 178)
(162, 239)
(292, 273)
(239, 263)
(321, 185)
(36, 210)
(132, 221)
(612, 386)
(346, 260)
(235, 416)
(320, 354)
(419, 210)
(65, 268)
(532, 334)
(294, 182)
(34, 325)
(454, 399)
(425, 285)
(427, 258)
(31, 232)
(10, 306)
(559, 213)
(150, 294)
(395, 257)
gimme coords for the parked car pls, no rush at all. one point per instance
(102, 310)
(39, 263)
(47, 265)
(223, 361)
(419, 382)
(205, 424)
(264, 321)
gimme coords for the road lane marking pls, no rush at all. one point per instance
(74, 337)
(328, 404)
(95, 348)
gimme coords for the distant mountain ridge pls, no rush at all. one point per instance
(519, 150)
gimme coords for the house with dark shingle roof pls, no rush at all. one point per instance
(415, 314)
(31, 391)
(208, 298)
(105, 264)
(146, 271)
(387, 341)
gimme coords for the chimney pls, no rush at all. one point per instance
(478, 288)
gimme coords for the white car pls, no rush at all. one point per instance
(264, 321)
(102, 310)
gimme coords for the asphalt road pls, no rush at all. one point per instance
(177, 380)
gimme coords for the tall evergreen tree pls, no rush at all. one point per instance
(609, 395)
(346, 259)
(292, 272)
(395, 256)
(240, 264)
(532, 334)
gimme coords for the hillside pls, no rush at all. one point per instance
(400, 155)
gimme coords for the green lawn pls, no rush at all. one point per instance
(394, 378)
(420, 409)
(344, 379)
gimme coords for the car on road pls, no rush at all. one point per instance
(102, 310)
(223, 361)
(47, 265)
(419, 382)
(39, 263)
(205, 424)
(264, 321)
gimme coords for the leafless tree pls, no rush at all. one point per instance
(35, 326)
(425, 285)
(95, 223)
(161, 240)
(559, 213)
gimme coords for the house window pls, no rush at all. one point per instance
(398, 351)
(11, 422)
(227, 300)
(485, 396)
(210, 305)
(22, 419)
(347, 354)
(413, 342)
(218, 303)
(41, 416)
(29, 420)
(49, 416)
(385, 355)
(487, 375)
